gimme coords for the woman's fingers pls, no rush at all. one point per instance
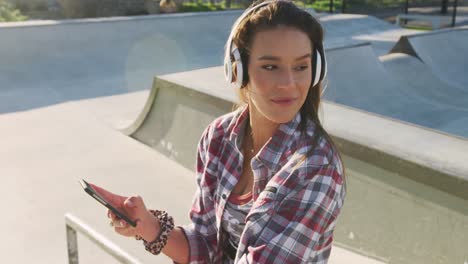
(125, 230)
(112, 198)
(134, 207)
(112, 216)
(120, 223)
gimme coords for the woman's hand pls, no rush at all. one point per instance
(147, 226)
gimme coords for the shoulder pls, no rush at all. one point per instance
(321, 171)
(221, 126)
(318, 149)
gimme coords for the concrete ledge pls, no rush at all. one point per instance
(424, 155)
(419, 153)
(175, 116)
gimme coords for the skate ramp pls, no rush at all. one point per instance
(47, 62)
(444, 51)
(423, 83)
(348, 29)
(173, 118)
(87, 58)
(358, 79)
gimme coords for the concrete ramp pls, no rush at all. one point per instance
(44, 63)
(348, 29)
(173, 118)
(358, 79)
(423, 83)
(444, 51)
(86, 58)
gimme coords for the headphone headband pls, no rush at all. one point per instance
(231, 48)
(232, 53)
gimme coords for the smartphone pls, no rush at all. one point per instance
(88, 189)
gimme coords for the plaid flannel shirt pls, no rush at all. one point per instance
(296, 204)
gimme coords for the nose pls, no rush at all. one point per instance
(287, 79)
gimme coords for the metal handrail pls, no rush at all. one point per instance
(74, 224)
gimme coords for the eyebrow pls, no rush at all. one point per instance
(268, 57)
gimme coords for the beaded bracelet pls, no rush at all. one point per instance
(166, 224)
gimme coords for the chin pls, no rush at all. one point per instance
(281, 118)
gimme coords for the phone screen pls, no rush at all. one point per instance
(89, 190)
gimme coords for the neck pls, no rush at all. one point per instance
(261, 129)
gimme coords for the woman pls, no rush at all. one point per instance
(270, 180)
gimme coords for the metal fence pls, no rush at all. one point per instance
(74, 225)
(449, 11)
(454, 11)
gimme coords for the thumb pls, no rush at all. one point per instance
(135, 204)
(129, 204)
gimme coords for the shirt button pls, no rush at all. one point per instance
(224, 196)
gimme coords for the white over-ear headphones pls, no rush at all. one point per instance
(232, 55)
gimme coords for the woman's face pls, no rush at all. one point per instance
(279, 73)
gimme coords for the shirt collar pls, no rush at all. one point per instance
(237, 128)
(272, 152)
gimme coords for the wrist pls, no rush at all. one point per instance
(165, 223)
(153, 229)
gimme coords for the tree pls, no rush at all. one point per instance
(444, 7)
(8, 13)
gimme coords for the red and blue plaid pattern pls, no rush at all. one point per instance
(297, 198)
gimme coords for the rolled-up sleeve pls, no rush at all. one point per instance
(201, 233)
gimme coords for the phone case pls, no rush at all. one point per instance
(89, 190)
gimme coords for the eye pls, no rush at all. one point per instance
(269, 67)
(302, 67)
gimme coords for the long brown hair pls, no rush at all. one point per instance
(269, 17)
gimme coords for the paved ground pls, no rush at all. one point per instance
(359, 79)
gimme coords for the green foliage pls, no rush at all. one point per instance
(416, 27)
(8, 13)
(320, 5)
(200, 6)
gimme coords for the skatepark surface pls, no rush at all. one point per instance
(348, 29)
(444, 51)
(49, 62)
(68, 87)
(427, 87)
(357, 78)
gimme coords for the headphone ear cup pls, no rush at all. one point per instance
(317, 68)
(228, 70)
(237, 71)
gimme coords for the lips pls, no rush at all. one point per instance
(284, 100)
